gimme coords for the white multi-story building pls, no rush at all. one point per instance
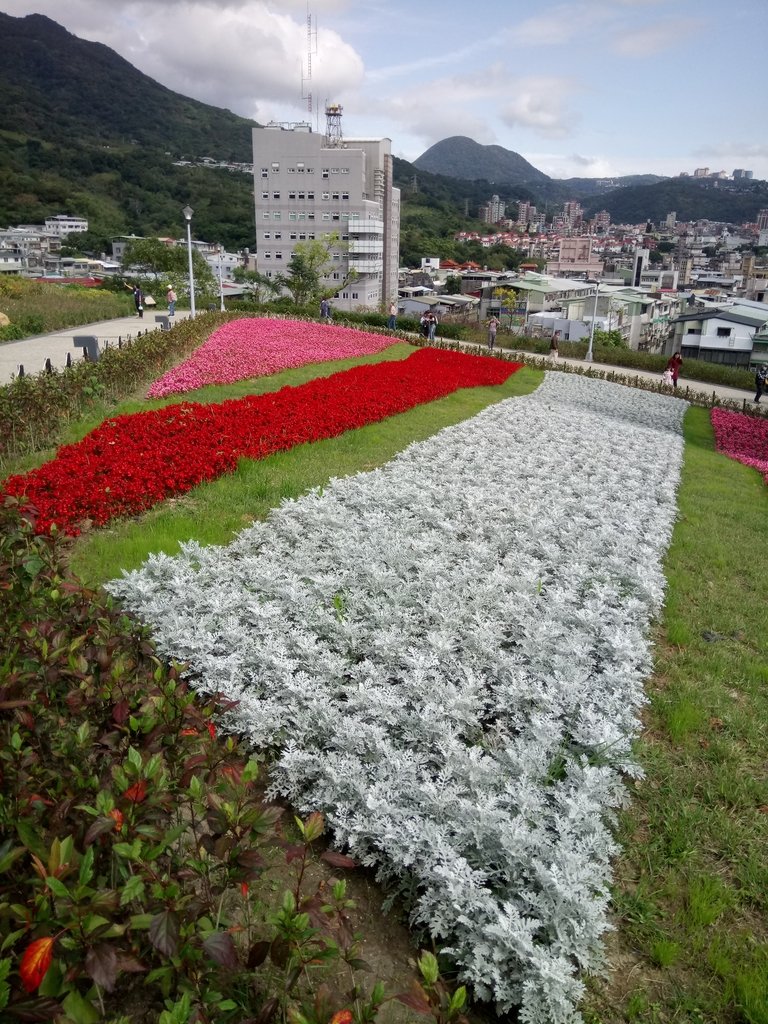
(309, 185)
(62, 224)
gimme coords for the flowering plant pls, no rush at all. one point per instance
(743, 438)
(448, 655)
(130, 463)
(258, 347)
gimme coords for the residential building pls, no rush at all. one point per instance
(526, 213)
(575, 258)
(308, 186)
(701, 172)
(762, 220)
(739, 172)
(62, 224)
(493, 211)
(723, 334)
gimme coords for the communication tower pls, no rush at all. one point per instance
(306, 72)
(333, 136)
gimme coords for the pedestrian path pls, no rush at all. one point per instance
(698, 386)
(31, 353)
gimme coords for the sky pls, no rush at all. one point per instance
(587, 88)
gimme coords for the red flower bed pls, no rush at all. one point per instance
(130, 463)
(744, 438)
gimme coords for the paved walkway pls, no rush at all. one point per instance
(735, 394)
(31, 353)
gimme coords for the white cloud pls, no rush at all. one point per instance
(539, 102)
(649, 40)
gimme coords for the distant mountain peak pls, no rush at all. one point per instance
(462, 157)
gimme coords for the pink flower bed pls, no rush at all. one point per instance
(744, 438)
(259, 347)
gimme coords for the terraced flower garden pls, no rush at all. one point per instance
(504, 630)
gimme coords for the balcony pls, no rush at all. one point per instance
(366, 245)
(366, 227)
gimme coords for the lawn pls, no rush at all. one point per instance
(691, 883)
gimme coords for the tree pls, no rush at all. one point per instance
(453, 284)
(308, 265)
(151, 256)
(255, 284)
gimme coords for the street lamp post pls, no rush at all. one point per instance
(221, 285)
(588, 356)
(188, 211)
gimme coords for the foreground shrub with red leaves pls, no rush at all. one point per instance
(130, 463)
(133, 840)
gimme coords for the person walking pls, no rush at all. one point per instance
(673, 365)
(170, 298)
(554, 352)
(138, 299)
(431, 326)
(761, 382)
(493, 326)
(392, 322)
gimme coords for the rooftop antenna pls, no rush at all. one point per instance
(333, 136)
(306, 76)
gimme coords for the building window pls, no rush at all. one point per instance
(268, 234)
(336, 256)
(310, 170)
(310, 195)
(311, 236)
(354, 295)
(265, 195)
(291, 170)
(345, 195)
(326, 216)
(334, 195)
(345, 170)
(299, 166)
(723, 332)
(291, 195)
(267, 255)
(302, 195)
(335, 277)
(325, 172)
(278, 235)
(276, 215)
(265, 172)
(334, 170)
(335, 216)
(326, 195)
(265, 214)
(291, 215)
(275, 195)
(278, 255)
(310, 216)
(302, 236)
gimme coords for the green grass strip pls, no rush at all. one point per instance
(214, 512)
(692, 888)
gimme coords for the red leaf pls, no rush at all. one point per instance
(342, 1017)
(35, 963)
(221, 949)
(257, 954)
(416, 999)
(117, 817)
(101, 965)
(338, 860)
(137, 792)
(121, 711)
(99, 827)
(164, 932)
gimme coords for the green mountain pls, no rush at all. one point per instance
(460, 157)
(83, 132)
(733, 202)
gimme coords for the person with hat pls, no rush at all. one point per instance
(170, 298)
